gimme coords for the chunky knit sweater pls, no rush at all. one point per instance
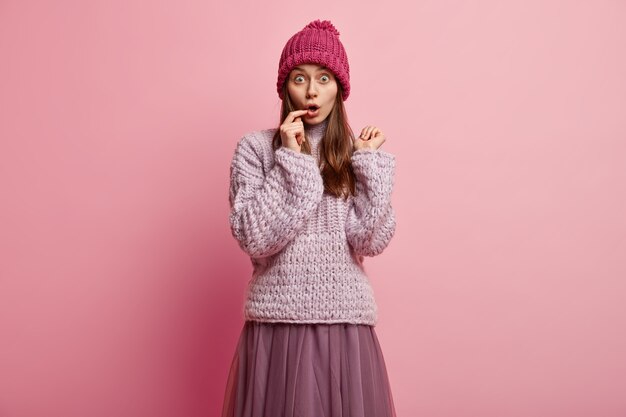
(306, 246)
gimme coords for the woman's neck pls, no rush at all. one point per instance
(315, 132)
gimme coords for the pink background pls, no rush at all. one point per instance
(501, 294)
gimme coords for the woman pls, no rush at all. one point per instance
(308, 202)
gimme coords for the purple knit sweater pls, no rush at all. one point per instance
(306, 246)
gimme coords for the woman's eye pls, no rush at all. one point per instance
(325, 78)
(298, 77)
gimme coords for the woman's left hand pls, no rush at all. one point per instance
(371, 138)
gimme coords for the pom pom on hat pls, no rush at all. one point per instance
(322, 25)
(317, 43)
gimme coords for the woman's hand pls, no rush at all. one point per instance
(371, 138)
(292, 130)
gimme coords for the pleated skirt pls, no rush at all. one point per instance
(308, 370)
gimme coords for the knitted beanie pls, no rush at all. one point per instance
(317, 43)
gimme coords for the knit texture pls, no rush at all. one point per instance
(318, 42)
(306, 246)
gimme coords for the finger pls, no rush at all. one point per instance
(298, 138)
(296, 135)
(368, 132)
(299, 127)
(364, 132)
(380, 139)
(293, 115)
(298, 124)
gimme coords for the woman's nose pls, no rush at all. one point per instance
(312, 89)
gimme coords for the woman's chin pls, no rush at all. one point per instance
(313, 120)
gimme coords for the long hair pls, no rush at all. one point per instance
(335, 147)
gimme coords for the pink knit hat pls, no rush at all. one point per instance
(317, 43)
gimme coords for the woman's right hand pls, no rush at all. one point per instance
(292, 130)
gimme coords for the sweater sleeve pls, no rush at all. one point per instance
(371, 221)
(269, 209)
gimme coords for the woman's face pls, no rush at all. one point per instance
(312, 84)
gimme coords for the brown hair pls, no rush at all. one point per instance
(335, 147)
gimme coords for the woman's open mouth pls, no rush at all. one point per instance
(313, 111)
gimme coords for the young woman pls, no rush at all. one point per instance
(308, 202)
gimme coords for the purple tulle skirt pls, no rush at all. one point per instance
(308, 370)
